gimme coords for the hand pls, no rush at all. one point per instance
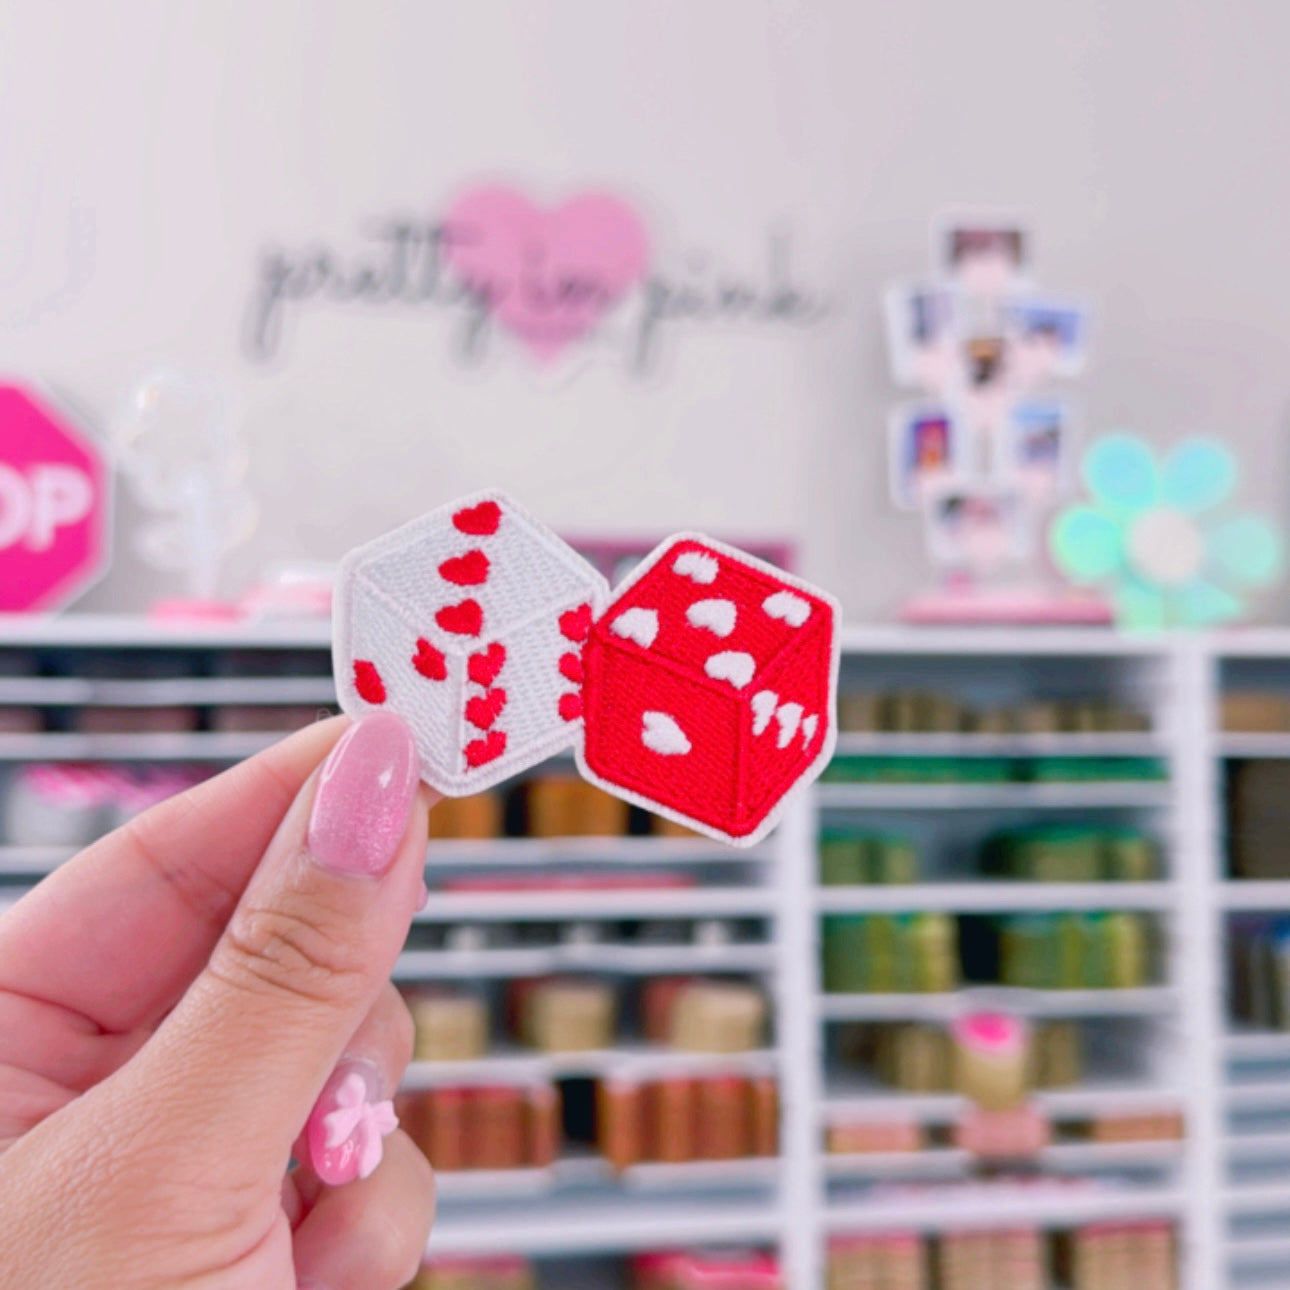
(183, 998)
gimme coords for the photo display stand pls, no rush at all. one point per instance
(988, 450)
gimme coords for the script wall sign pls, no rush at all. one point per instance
(581, 275)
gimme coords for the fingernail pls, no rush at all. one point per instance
(364, 795)
(347, 1124)
(310, 1284)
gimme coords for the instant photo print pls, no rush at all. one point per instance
(925, 450)
(986, 361)
(922, 328)
(985, 258)
(1037, 449)
(977, 529)
(1049, 338)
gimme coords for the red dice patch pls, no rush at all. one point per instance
(711, 684)
(705, 691)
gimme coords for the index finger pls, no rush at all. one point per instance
(120, 932)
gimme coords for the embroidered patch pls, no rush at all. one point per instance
(459, 622)
(704, 690)
(700, 646)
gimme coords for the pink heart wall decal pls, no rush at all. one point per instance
(548, 276)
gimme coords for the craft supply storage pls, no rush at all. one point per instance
(1077, 828)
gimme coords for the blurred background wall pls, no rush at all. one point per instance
(150, 150)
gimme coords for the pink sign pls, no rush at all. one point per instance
(54, 489)
(547, 276)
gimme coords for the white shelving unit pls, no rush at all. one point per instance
(991, 797)
(1090, 1098)
(1251, 1069)
(1088, 1182)
(1220, 1184)
(996, 897)
(522, 1066)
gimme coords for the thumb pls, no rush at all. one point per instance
(304, 956)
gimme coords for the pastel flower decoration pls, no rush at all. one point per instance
(1161, 537)
(358, 1120)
